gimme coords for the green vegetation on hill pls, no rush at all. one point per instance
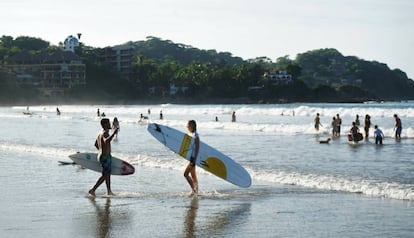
(329, 67)
(322, 75)
(167, 51)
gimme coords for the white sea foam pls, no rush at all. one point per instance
(289, 119)
(370, 187)
(49, 151)
(376, 188)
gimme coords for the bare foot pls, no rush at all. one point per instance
(91, 193)
(110, 193)
(193, 194)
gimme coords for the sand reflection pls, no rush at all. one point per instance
(189, 223)
(103, 218)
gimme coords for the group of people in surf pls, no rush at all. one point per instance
(354, 130)
(143, 118)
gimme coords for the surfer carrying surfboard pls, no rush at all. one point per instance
(191, 167)
(103, 144)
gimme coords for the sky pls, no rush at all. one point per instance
(373, 30)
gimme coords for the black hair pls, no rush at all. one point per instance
(193, 124)
(104, 120)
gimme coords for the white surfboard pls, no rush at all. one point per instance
(208, 158)
(90, 161)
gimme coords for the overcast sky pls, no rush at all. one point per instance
(380, 30)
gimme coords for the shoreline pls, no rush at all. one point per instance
(181, 101)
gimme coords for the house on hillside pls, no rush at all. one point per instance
(177, 89)
(173, 90)
(120, 58)
(278, 77)
(52, 72)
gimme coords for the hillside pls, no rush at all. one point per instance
(330, 67)
(321, 75)
(166, 50)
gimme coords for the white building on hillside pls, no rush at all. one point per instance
(279, 77)
(70, 43)
(175, 89)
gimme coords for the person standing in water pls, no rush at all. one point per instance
(317, 121)
(333, 125)
(379, 136)
(338, 123)
(354, 131)
(397, 127)
(115, 126)
(190, 171)
(367, 125)
(103, 144)
(233, 117)
(357, 123)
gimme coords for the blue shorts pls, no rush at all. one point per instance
(355, 137)
(106, 163)
(378, 139)
(398, 131)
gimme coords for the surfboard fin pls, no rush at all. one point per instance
(204, 163)
(157, 128)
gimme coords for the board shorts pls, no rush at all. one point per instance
(378, 139)
(106, 163)
(355, 137)
(398, 130)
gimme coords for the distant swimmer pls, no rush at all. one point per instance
(115, 126)
(325, 141)
(367, 125)
(142, 118)
(354, 132)
(233, 117)
(357, 120)
(334, 129)
(338, 123)
(397, 127)
(317, 121)
(57, 111)
(379, 136)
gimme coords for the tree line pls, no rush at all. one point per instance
(323, 75)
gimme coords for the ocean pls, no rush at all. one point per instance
(300, 188)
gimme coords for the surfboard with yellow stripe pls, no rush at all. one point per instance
(208, 158)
